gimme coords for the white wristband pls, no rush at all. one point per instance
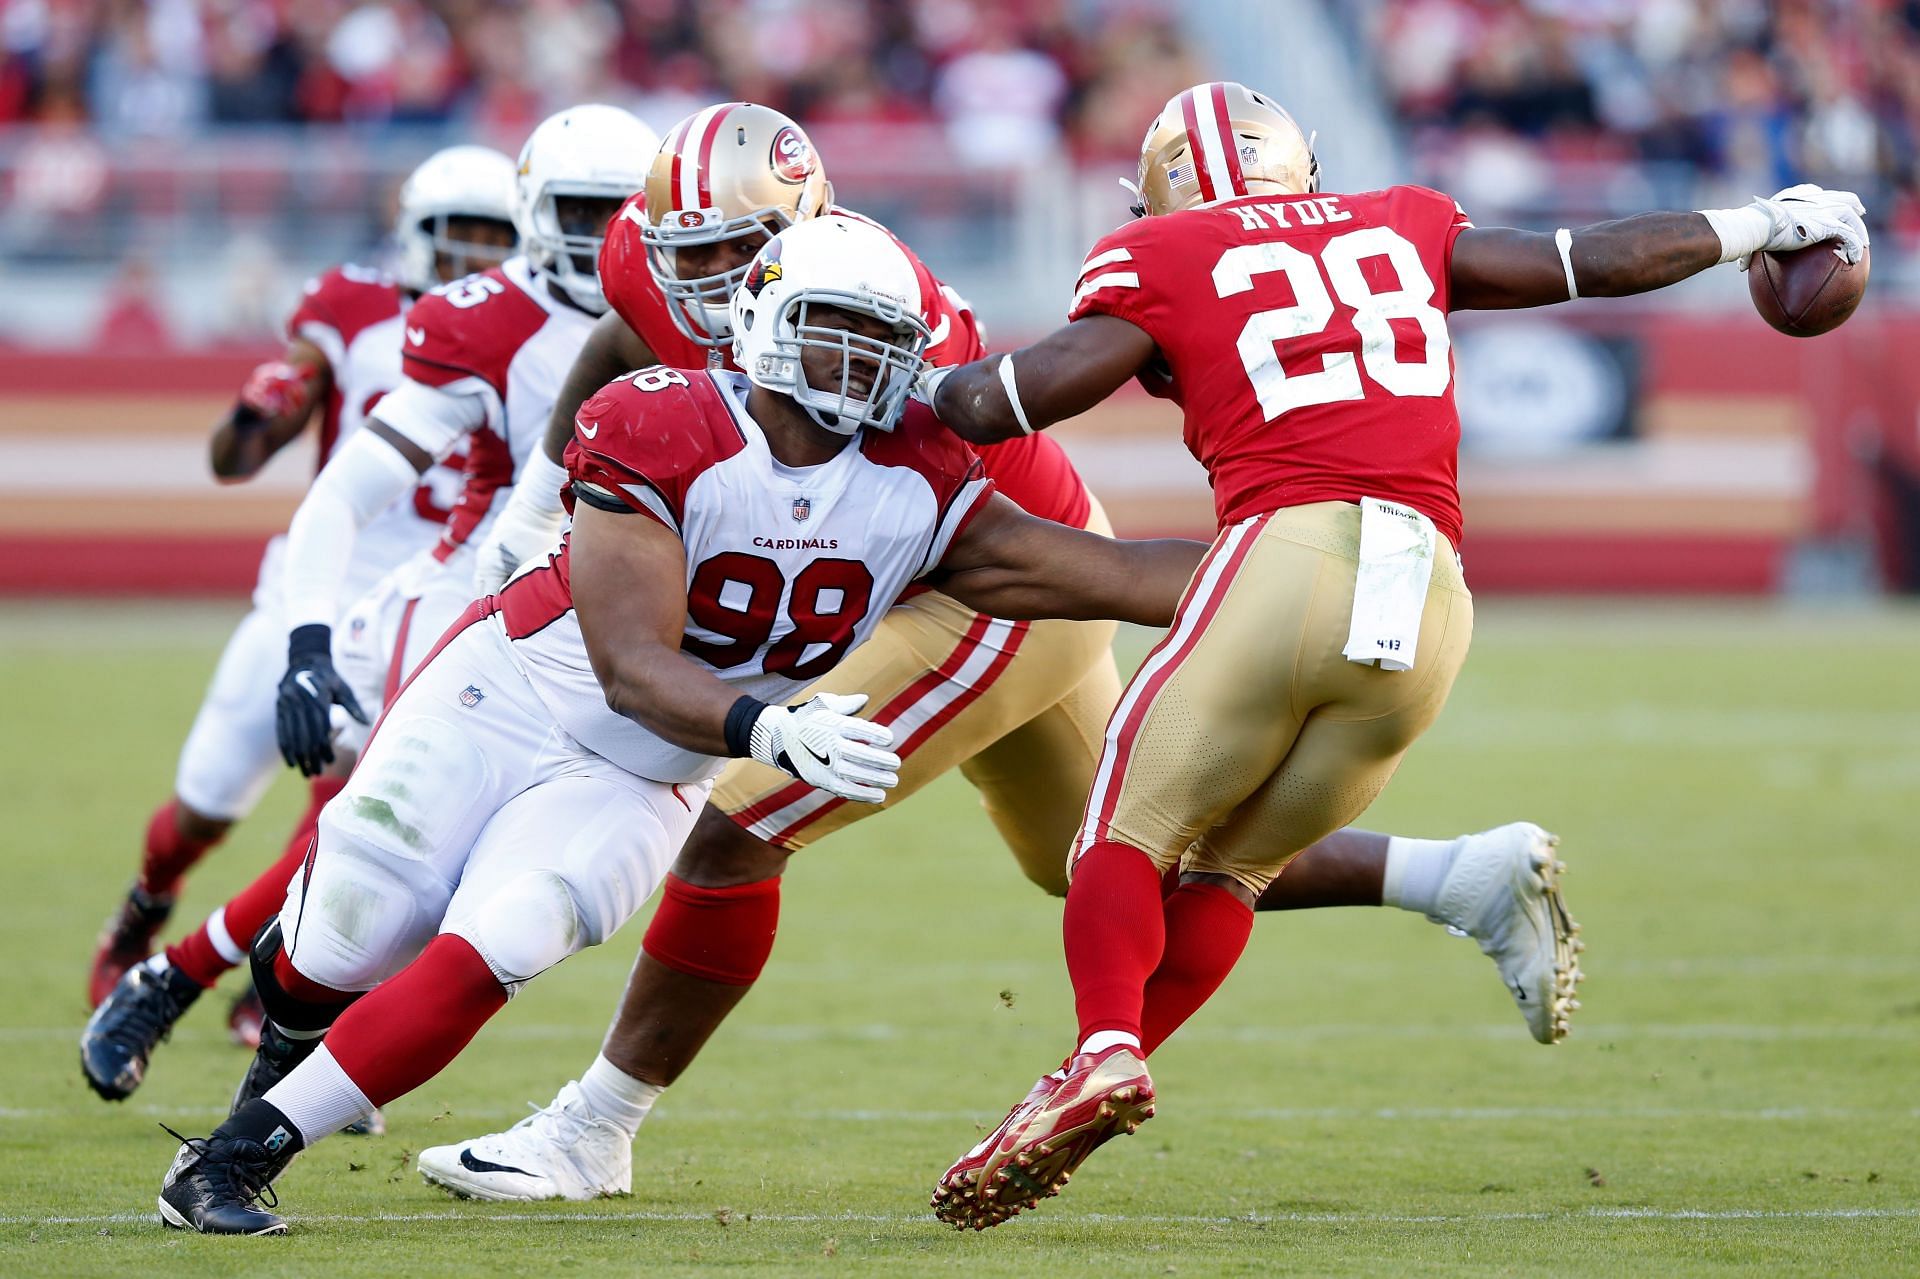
(1013, 395)
(1563, 240)
(1742, 231)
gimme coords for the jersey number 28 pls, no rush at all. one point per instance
(1337, 378)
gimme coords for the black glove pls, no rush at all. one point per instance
(307, 693)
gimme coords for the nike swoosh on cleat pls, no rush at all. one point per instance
(471, 1164)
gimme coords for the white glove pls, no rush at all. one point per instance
(529, 524)
(823, 744)
(926, 384)
(1793, 219)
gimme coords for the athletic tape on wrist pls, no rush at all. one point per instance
(1563, 240)
(738, 729)
(1013, 395)
(1742, 231)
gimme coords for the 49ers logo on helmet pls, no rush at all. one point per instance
(691, 218)
(792, 157)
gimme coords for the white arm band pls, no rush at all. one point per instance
(361, 480)
(434, 418)
(1742, 231)
(1013, 395)
(1563, 240)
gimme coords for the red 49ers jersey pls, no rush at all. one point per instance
(1306, 339)
(788, 568)
(501, 343)
(353, 315)
(1033, 471)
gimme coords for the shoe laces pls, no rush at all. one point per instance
(231, 1169)
(553, 1121)
(152, 1015)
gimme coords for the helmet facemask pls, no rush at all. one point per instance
(568, 223)
(891, 366)
(701, 306)
(444, 236)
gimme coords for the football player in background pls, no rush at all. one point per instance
(526, 790)
(1305, 337)
(342, 355)
(480, 364)
(1017, 707)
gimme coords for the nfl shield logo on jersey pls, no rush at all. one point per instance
(471, 696)
(802, 509)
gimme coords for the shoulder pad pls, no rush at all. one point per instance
(470, 328)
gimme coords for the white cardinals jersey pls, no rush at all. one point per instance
(354, 316)
(788, 569)
(483, 360)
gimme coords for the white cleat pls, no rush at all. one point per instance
(1503, 891)
(560, 1152)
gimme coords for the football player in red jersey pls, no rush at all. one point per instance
(524, 792)
(342, 354)
(481, 361)
(1017, 707)
(1305, 337)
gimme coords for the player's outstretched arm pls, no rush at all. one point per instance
(275, 405)
(1062, 375)
(1497, 268)
(530, 522)
(629, 577)
(1006, 563)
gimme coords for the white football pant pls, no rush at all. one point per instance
(472, 813)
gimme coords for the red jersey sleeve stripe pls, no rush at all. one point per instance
(1195, 153)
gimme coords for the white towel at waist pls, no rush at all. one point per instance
(1397, 546)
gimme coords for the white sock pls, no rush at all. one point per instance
(1100, 1039)
(617, 1097)
(223, 943)
(319, 1097)
(1416, 868)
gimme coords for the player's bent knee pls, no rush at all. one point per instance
(360, 916)
(720, 853)
(530, 924)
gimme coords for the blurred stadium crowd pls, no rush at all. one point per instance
(1010, 76)
(1560, 104)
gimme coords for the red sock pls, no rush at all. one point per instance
(197, 955)
(1207, 928)
(169, 855)
(261, 900)
(1114, 934)
(720, 935)
(409, 1027)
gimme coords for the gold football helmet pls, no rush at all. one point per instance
(1219, 141)
(726, 172)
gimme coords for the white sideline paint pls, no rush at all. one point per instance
(479, 1217)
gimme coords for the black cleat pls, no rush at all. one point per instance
(123, 1031)
(216, 1182)
(272, 1061)
(126, 939)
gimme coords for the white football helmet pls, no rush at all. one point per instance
(458, 182)
(832, 262)
(591, 152)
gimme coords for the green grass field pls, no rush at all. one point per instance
(1735, 789)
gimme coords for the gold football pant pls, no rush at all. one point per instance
(1018, 707)
(1246, 736)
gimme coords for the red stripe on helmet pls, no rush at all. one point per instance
(706, 151)
(1192, 120)
(676, 144)
(1235, 178)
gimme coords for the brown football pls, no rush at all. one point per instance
(1809, 291)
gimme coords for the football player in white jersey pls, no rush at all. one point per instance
(528, 787)
(342, 355)
(480, 361)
